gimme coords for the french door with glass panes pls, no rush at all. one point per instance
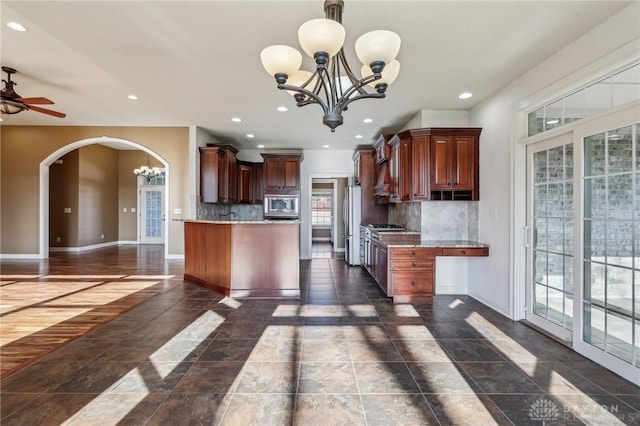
(583, 256)
(550, 257)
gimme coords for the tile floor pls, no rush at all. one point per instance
(342, 355)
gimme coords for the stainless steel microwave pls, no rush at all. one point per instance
(281, 206)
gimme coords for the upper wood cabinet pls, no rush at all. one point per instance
(250, 190)
(382, 149)
(365, 175)
(281, 173)
(435, 164)
(218, 178)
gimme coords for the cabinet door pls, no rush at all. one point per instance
(419, 168)
(404, 178)
(463, 162)
(258, 184)
(232, 177)
(209, 162)
(394, 191)
(291, 174)
(441, 157)
(382, 270)
(272, 175)
(245, 183)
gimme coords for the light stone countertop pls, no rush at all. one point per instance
(247, 222)
(435, 243)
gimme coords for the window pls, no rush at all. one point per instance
(321, 208)
(610, 92)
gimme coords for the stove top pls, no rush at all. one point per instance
(384, 226)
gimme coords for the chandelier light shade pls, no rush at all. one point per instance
(333, 85)
(148, 172)
(10, 107)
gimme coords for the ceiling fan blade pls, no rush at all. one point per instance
(35, 101)
(47, 111)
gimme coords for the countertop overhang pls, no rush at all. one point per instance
(247, 222)
(435, 244)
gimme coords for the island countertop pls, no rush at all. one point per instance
(249, 222)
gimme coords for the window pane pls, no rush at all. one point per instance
(568, 161)
(595, 198)
(598, 97)
(620, 196)
(553, 115)
(574, 107)
(620, 150)
(619, 288)
(536, 124)
(540, 166)
(594, 155)
(626, 86)
(619, 334)
(594, 238)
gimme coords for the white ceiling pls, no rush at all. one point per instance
(198, 63)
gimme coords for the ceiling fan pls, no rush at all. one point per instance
(12, 103)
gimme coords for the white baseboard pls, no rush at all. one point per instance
(451, 289)
(20, 256)
(321, 239)
(124, 243)
(175, 256)
(85, 248)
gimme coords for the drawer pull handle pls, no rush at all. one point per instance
(413, 264)
(413, 283)
(413, 253)
(463, 252)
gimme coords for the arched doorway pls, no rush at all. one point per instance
(45, 177)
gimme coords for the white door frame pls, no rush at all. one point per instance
(139, 221)
(317, 177)
(43, 251)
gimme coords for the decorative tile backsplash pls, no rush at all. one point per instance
(212, 211)
(438, 220)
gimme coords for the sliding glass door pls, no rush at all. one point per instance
(583, 255)
(611, 246)
(551, 221)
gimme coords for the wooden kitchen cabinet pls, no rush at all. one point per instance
(250, 189)
(411, 274)
(218, 174)
(435, 164)
(282, 173)
(382, 148)
(365, 174)
(454, 166)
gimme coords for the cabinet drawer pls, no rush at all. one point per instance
(474, 251)
(412, 283)
(414, 253)
(416, 264)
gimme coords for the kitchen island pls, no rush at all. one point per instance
(244, 259)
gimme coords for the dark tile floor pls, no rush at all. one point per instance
(343, 355)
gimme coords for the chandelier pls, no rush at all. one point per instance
(147, 172)
(333, 85)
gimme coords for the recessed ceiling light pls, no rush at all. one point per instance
(358, 136)
(260, 146)
(133, 97)
(236, 119)
(16, 26)
(465, 95)
(368, 120)
(553, 121)
(283, 109)
(251, 135)
(325, 146)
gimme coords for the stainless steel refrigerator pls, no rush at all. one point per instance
(351, 215)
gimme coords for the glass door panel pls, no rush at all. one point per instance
(550, 288)
(611, 261)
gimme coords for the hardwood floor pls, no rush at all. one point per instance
(45, 304)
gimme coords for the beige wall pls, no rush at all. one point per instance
(97, 195)
(23, 148)
(63, 193)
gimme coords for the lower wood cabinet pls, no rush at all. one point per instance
(408, 274)
(411, 274)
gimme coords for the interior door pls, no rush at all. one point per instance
(550, 226)
(151, 214)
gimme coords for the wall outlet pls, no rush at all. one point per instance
(58, 239)
(124, 210)
(102, 236)
(67, 209)
(133, 209)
